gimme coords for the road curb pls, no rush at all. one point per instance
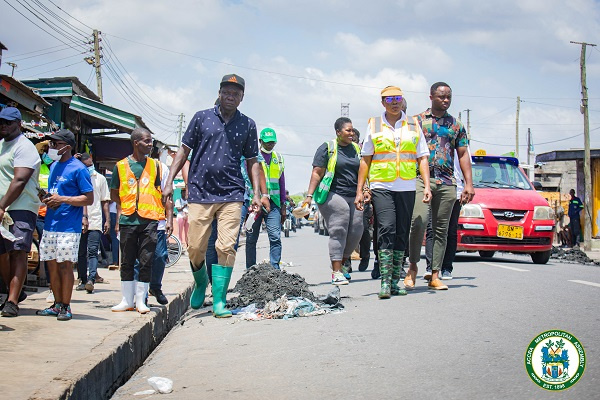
(120, 354)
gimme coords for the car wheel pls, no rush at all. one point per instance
(542, 257)
(486, 253)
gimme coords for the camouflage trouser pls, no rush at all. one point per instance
(386, 261)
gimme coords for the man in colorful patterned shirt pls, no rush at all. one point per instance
(444, 134)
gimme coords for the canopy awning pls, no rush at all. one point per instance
(103, 112)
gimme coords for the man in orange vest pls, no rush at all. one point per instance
(136, 188)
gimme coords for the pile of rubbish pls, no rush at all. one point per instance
(573, 255)
(268, 293)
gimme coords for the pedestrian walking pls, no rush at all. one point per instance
(333, 185)
(19, 170)
(136, 188)
(390, 155)
(273, 168)
(181, 205)
(69, 190)
(444, 135)
(575, 207)
(219, 138)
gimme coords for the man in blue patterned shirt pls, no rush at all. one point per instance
(219, 138)
(444, 134)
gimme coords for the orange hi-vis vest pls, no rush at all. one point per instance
(391, 161)
(141, 195)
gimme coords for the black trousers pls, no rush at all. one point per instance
(138, 242)
(451, 244)
(394, 213)
(365, 240)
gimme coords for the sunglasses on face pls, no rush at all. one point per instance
(390, 99)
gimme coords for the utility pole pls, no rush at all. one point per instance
(587, 175)
(531, 170)
(180, 129)
(13, 65)
(97, 57)
(517, 131)
(468, 123)
(345, 109)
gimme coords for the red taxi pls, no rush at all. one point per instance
(506, 214)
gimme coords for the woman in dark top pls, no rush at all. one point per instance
(344, 222)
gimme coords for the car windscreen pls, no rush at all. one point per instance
(499, 174)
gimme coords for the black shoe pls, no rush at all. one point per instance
(10, 309)
(375, 274)
(160, 297)
(363, 265)
(22, 296)
(81, 286)
(89, 286)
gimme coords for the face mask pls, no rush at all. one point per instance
(265, 150)
(53, 153)
(47, 160)
(91, 168)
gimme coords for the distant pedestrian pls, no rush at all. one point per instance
(136, 188)
(70, 189)
(181, 205)
(575, 207)
(219, 138)
(333, 185)
(19, 170)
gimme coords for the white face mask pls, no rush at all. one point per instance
(53, 153)
(265, 150)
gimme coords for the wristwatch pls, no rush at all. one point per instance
(266, 195)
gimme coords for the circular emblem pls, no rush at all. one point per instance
(145, 181)
(131, 182)
(555, 360)
(509, 214)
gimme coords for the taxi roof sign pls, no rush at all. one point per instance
(480, 152)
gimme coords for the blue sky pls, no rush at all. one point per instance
(302, 59)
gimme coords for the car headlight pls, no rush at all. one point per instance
(471, 211)
(543, 212)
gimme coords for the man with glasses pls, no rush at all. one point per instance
(390, 155)
(69, 191)
(219, 137)
(444, 135)
(19, 170)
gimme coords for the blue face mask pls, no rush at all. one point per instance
(91, 169)
(46, 159)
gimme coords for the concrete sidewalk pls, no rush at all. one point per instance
(93, 354)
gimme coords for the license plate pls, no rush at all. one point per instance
(510, 232)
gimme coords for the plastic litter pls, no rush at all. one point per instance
(7, 221)
(301, 212)
(250, 221)
(160, 384)
(144, 392)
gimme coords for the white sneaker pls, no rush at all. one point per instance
(50, 298)
(446, 275)
(337, 278)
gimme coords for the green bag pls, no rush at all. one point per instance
(320, 195)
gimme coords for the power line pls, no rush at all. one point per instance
(555, 105)
(15, 56)
(55, 69)
(63, 21)
(54, 4)
(50, 62)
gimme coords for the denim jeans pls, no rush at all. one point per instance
(273, 222)
(87, 259)
(158, 263)
(114, 241)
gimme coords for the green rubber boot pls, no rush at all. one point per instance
(220, 283)
(397, 266)
(201, 278)
(385, 268)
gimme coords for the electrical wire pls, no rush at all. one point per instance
(45, 72)
(49, 62)
(63, 21)
(55, 5)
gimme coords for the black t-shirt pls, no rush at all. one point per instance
(345, 178)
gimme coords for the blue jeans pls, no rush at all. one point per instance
(273, 222)
(158, 264)
(87, 259)
(114, 242)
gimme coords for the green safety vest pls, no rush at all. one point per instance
(320, 195)
(273, 172)
(391, 162)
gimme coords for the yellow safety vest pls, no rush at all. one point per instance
(141, 195)
(389, 161)
(272, 174)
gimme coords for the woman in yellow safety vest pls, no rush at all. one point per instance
(333, 186)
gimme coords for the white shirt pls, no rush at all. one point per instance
(368, 149)
(101, 193)
(20, 153)
(458, 175)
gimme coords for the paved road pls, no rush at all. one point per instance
(465, 343)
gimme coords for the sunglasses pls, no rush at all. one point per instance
(390, 99)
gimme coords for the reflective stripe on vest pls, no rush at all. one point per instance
(391, 162)
(272, 176)
(332, 150)
(141, 195)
